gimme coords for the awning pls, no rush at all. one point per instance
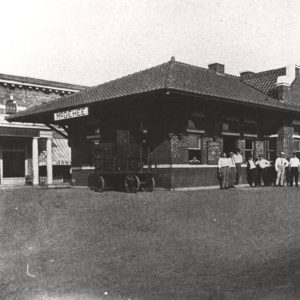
(61, 152)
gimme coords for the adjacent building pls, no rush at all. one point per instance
(18, 139)
(191, 115)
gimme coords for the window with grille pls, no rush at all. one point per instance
(271, 149)
(10, 107)
(194, 148)
(249, 148)
(296, 146)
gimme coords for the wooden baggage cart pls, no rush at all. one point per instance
(122, 164)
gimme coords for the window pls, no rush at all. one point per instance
(196, 122)
(10, 107)
(249, 148)
(297, 146)
(231, 124)
(296, 129)
(194, 147)
(271, 149)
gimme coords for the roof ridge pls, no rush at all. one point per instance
(130, 75)
(266, 71)
(205, 69)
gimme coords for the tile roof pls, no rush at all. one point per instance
(172, 75)
(29, 80)
(265, 81)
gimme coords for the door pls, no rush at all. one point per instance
(13, 164)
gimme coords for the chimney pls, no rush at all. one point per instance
(246, 74)
(284, 82)
(216, 67)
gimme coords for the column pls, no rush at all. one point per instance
(1, 163)
(35, 161)
(49, 161)
(26, 160)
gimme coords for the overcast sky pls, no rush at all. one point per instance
(92, 41)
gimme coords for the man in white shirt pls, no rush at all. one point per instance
(280, 164)
(261, 164)
(294, 169)
(238, 159)
(223, 167)
(252, 172)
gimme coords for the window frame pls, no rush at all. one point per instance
(198, 149)
(248, 150)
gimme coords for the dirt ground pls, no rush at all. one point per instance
(78, 244)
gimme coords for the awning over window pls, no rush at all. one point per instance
(61, 152)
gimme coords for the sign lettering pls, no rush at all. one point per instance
(70, 114)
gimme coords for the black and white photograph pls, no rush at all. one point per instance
(149, 150)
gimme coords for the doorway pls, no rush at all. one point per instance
(13, 164)
(229, 143)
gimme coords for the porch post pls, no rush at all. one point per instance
(35, 161)
(49, 161)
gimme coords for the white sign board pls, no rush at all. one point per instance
(70, 114)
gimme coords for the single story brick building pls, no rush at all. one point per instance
(191, 115)
(19, 141)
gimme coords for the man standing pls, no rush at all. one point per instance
(252, 172)
(294, 171)
(261, 164)
(238, 159)
(223, 167)
(280, 164)
(232, 170)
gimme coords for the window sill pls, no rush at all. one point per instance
(195, 131)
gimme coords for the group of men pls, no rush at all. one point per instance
(259, 172)
(283, 172)
(229, 169)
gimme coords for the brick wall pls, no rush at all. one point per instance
(293, 93)
(205, 141)
(285, 141)
(241, 145)
(259, 148)
(179, 149)
(25, 96)
(161, 154)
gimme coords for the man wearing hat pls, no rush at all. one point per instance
(294, 169)
(280, 164)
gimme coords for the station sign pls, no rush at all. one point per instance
(70, 114)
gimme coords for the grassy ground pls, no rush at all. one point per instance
(235, 244)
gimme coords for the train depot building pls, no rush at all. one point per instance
(175, 120)
(23, 145)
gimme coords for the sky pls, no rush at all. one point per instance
(89, 42)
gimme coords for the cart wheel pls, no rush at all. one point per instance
(99, 183)
(132, 183)
(150, 184)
